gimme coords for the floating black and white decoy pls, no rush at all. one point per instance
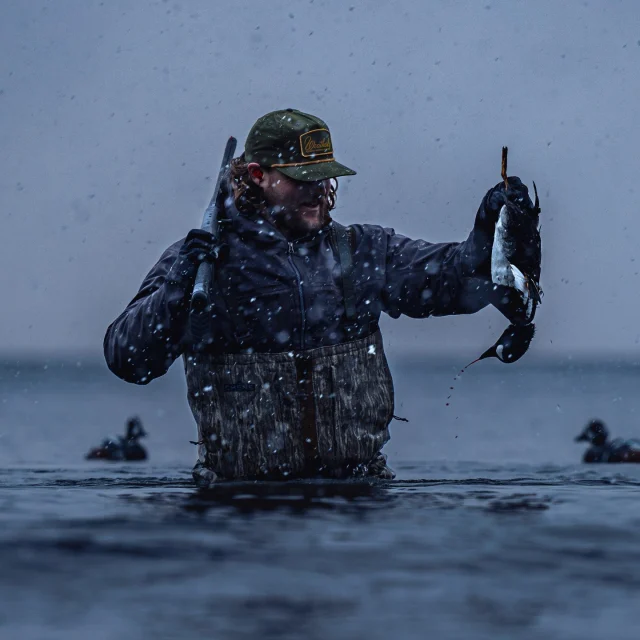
(122, 448)
(604, 450)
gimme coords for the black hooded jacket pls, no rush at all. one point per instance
(273, 295)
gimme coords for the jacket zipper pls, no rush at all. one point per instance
(300, 295)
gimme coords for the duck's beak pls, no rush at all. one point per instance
(583, 437)
(489, 353)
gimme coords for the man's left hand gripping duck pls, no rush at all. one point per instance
(292, 381)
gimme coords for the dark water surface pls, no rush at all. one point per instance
(492, 529)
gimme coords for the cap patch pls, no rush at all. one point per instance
(316, 143)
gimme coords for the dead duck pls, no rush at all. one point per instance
(603, 449)
(122, 448)
(515, 271)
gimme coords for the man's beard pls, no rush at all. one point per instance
(303, 218)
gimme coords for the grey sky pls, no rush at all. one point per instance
(114, 114)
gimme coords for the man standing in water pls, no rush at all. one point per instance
(293, 381)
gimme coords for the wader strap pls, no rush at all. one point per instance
(342, 238)
(304, 374)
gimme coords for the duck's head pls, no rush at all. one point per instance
(135, 429)
(511, 345)
(595, 432)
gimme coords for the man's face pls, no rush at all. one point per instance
(300, 206)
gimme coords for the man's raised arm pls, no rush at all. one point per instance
(145, 339)
(424, 279)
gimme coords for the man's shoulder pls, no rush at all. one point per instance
(168, 257)
(173, 249)
(370, 234)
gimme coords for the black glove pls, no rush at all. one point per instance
(492, 202)
(199, 246)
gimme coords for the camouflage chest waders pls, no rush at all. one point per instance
(321, 412)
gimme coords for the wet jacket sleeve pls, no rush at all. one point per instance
(145, 339)
(424, 279)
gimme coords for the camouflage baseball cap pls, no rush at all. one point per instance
(296, 144)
